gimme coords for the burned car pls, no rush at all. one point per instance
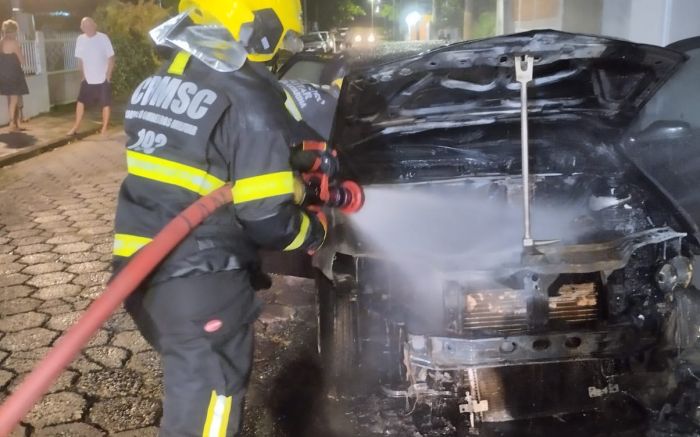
(486, 292)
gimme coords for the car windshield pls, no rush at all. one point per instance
(312, 38)
(663, 141)
(307, 71)
(678, 99)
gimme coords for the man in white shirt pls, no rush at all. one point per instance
(96, 59)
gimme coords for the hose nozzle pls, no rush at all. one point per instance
(348, 197)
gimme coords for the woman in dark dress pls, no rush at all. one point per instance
(12, 82)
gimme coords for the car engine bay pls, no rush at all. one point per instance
(485, 332)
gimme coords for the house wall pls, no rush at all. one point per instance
(658, 22)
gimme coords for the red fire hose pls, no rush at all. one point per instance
(69, 345)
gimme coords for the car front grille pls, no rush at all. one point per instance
(505, 312)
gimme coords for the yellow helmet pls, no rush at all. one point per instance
(263, 23)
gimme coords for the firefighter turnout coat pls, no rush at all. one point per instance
(191, 130)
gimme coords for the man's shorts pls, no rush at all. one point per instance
(95, 95)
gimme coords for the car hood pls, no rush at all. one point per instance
(575, 76)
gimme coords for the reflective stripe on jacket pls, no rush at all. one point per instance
(190, 131)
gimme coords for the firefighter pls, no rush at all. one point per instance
(213, 115)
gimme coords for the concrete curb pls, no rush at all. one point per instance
(44, 147)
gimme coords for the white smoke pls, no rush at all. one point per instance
(456, 222)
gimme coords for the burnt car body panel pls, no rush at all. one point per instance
(665, 139)
(469, 323)
(323, 69)
(574, 74)
(577, 77)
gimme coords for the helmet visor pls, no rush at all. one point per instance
(211, 43)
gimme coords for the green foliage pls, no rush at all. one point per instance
(387, 11)
(119, 17)
(346, 11)
(134, 62)
(450, 13)
(485, 26)
(127, 25)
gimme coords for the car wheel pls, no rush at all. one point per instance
(337, 337)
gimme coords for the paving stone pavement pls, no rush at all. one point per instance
(55, 244)
(44, 129)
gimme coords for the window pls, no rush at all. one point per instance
(309, 71)
(678, 99)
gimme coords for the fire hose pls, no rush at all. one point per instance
(348, 197)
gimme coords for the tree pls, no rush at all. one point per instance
(345, 12)
(450, 14)
(127, 25)
(124, 18)
(485, 26)
(336, 13)
(387, 11)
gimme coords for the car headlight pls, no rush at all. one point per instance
(358, 38)
(370, 38)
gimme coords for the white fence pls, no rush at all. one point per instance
(31, 50)
(62, 67)
(60, 52)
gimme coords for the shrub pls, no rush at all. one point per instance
(135, 62)
(127, 25)
(486, 25)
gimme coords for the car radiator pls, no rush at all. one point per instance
(505, 311)
(520, 392)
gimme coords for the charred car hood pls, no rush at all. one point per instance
(575, 76)
(435, 140)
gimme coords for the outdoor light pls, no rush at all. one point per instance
(370, 38)
(371, 10)
(413, 18)
(358, 38)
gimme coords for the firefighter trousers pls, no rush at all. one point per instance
(203, 329)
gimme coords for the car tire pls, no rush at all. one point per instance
(337, 337)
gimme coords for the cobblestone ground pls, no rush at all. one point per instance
(55, 249)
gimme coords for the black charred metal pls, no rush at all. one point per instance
(605, 316)
(576, 77)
